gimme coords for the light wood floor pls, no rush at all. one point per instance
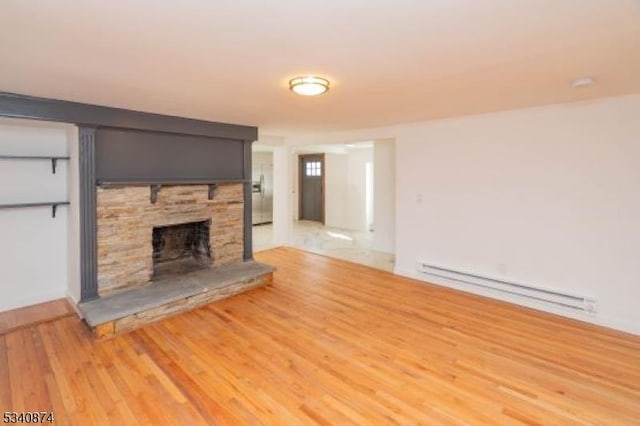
(330, 343)
(34, 314)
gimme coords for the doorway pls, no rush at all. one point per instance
(262, 188)
(311, 172)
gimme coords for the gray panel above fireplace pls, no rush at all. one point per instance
(124, 155)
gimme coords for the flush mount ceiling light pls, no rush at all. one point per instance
(583, 82)
(309, 85)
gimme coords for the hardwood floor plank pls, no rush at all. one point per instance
(52, 346)
(5, 378)
(208, 409)
(329, 342)
(40, 370)
(35, 314)
(19, 374)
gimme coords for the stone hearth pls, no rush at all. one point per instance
(125, 310)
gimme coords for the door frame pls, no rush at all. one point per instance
(301, 177)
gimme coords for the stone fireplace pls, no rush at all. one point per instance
(165, 249)
(186, 227)
(161, 215)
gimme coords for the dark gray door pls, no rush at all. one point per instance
(311, 187)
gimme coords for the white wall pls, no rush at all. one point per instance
(548, 196)
(336, 174)
(259, 157)
(283, 191)
(356, 188)
(33, 245)
(384, 202)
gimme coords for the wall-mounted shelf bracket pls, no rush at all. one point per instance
(212, 190)
(54, 160)
(154, 193)
(53, 204)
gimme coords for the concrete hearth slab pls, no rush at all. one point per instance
(130, 308)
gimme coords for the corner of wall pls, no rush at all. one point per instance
(384, 199)
(73, 225)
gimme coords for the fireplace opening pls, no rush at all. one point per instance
(181, 248)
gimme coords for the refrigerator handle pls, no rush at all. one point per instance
(262, 185)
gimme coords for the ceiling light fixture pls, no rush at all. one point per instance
(583, 82)
(309, 85)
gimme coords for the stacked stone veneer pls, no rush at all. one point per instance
(126, 217)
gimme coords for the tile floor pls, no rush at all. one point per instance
(354, 246)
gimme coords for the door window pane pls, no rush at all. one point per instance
(313, 168)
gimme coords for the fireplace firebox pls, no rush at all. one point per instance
(181, 248)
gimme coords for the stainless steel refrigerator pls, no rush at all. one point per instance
(262, 193)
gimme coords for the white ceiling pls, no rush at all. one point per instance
(389, 61)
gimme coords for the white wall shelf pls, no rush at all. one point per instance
(53, 204)
(54, 159)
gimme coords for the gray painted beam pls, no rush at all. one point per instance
(29, 107)
(88, 226)
(248, 230)
(163, 181)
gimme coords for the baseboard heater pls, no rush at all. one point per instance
(552, 297)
